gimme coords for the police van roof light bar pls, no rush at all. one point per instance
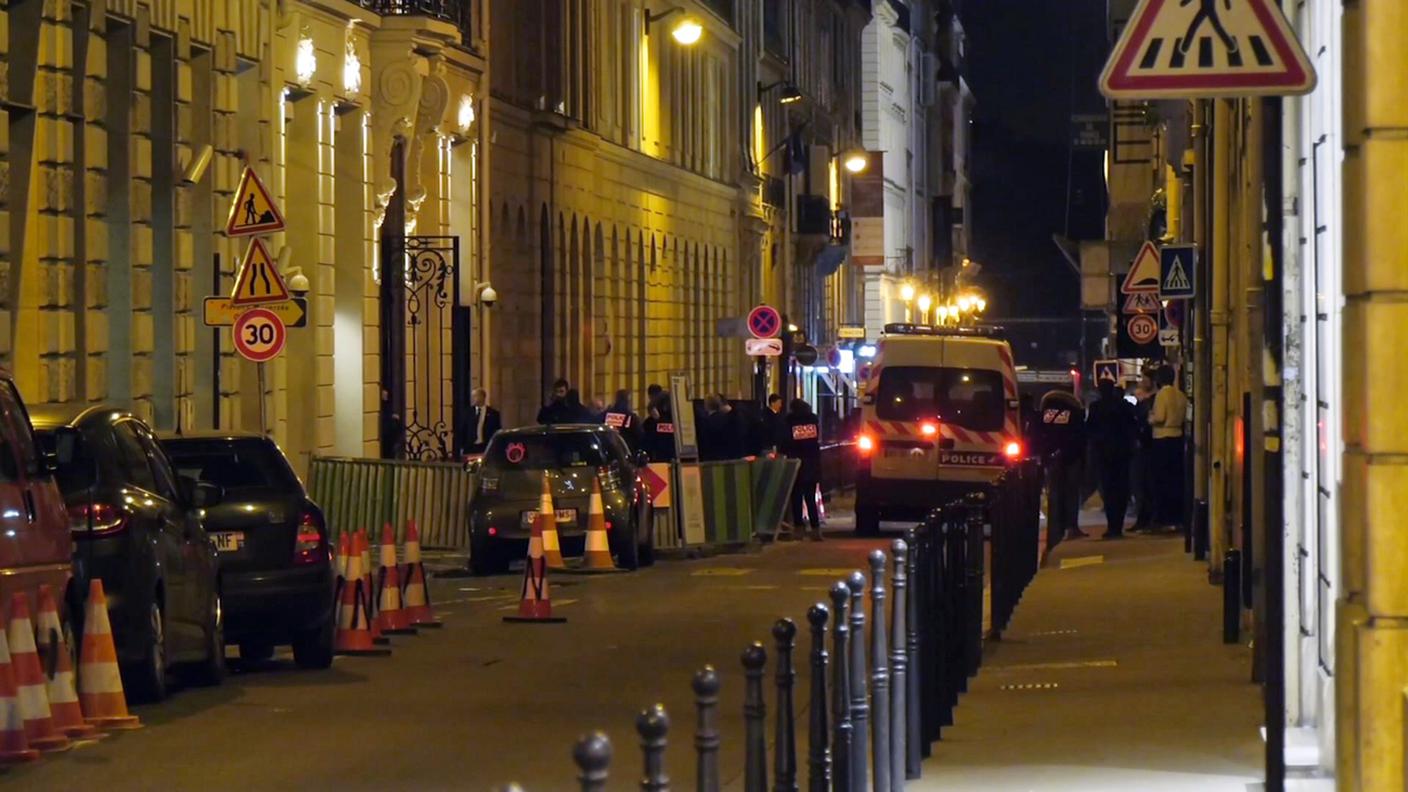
(981, 331)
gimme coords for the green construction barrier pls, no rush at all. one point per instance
(368, 493)
(772, 484)
(728, 502)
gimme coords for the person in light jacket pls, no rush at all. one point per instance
(1166, 422)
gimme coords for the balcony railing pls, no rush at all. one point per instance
(459, 13)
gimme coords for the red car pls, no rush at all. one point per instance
(35, 545)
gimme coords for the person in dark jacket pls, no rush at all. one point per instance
(555, 411)
(1113, 434)
(718, 432)
(803, 443)
(658, 431)
(773, 425)
(574, 411)
(622, 418)
(1060, 439)
(1142, 469)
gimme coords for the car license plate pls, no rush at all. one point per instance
(563, 516)
(228, 541)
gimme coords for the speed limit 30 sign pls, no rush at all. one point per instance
(259, 335)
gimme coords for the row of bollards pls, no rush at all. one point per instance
(876, 698)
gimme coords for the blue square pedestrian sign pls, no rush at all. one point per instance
(1176, 268)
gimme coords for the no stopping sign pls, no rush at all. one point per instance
(259, 335)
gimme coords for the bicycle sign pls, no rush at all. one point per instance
(259, 335)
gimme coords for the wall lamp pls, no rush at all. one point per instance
(790, 94)
(687, 31)
(856, 161)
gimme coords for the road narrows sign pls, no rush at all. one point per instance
(1144, 273)
(258, 280)
(1199, 48)
(259, 335)
(253, 210)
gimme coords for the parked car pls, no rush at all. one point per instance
(510, 484)
(275, 557)
(35, 546)
(136, 527)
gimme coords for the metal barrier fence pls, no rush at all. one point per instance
(877, 698)
(1016, 531)
(368, 493)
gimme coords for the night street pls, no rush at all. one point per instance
(480, 702)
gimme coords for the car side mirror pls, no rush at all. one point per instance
(200, 494)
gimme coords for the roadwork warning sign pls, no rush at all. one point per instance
(253, 210)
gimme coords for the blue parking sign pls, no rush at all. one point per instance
(1177, 268)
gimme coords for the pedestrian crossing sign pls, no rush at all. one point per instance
(1176, 269)
(258, 280)
(1190, 49)
(253, 210)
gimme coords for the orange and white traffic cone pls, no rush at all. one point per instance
(99, 681)
(14, 747)
(63, 691)
(552, 548)
(362, 547)
(354, 634)
(415, 595)
(390, 616)
(30, 683)
(597, 557)
(535, 602)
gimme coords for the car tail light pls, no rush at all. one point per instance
(865, 443)
(928, 429)
(309, 541)
(96, 519)
(1013, 450)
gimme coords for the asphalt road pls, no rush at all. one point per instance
(481, 703)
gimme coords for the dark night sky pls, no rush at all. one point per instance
(1031, 65)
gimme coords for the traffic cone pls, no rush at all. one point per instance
(362, 547)
(415, 595)
(597, 557)
(552, 548)
(535, 602)
(30, 683)
(354, 635)
(99, 682)
(14, 747)
(63, 694)
(390, 616)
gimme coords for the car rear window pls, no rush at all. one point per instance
(231, 464)
(970, 398)
(546, 452)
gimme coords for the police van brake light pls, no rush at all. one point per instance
(928, 429)
(865, 443)
(1013, 450)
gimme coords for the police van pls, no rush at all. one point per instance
(939, 418)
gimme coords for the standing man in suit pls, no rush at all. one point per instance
(481, 423)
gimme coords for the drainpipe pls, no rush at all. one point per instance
(1220, 270)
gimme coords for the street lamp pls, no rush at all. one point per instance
(856, 161)
(686, 32)
(924, 302)
(790, 93)
(907, 296)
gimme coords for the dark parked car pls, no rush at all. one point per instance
(136, 526)
(274, 554)
(511, 484)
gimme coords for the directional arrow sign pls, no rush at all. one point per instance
(222, 311)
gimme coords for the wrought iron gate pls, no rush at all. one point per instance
(424, 347)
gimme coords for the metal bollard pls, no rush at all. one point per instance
(1232, 596)
(1200, 531)
(592, 753)
(913, 758)
(818, 751)
(785, 763)
(653, 725)
(840, 689)
(706, 734)
(879, 675)
(899, 662)
(755, 738)
(860, 705)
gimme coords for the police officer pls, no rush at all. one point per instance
(1110, 423)
(1061, 440)
(802, 441)
(620, 417)
(659, 430)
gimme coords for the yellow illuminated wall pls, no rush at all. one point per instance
(760, 143)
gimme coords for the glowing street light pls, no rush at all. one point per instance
(688, 31)
(856, 161)
(925, 301)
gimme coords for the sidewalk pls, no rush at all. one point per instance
(1112, 676)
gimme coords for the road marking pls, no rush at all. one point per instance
(1073, 563)
(1059, 666)
(827, 572)
(490, 598)
(1045, 633)
(754, 587)
(1026, 686)
(813, 588)
(557, 603)
(721, 572)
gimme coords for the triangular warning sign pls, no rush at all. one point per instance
(1177, 279)
(253, 210)
(1144, 274)
(258, 280)
(1142, 302)
(1182, 49)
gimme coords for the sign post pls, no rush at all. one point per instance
(688, 480)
